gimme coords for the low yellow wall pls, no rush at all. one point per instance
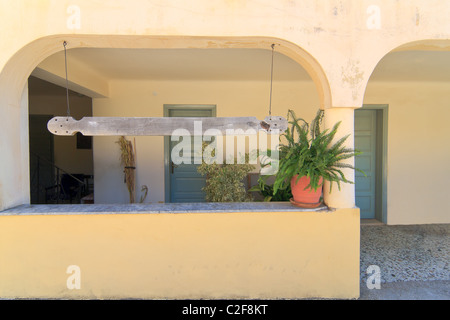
(182, 256)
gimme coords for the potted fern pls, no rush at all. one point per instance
(308, 157)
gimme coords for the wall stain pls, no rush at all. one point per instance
(353, 76)
(417, 17)
(318, 29)
(335, 11)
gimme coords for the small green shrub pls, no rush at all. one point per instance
(224, 182)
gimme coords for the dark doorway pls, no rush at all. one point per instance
(41, 157)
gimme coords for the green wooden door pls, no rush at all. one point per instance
(185, 183)
(366, 141)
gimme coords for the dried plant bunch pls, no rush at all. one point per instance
(127, 159)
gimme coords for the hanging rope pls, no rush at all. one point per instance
(271, 80)
(67, 81)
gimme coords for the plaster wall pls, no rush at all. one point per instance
(238, 255)
(357, 33)
(418, 149)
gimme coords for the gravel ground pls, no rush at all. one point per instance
(406, 253)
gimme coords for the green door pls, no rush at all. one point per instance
(185, 183)
(366, 141)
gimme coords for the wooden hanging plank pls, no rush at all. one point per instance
(120, 126)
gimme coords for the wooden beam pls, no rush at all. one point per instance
(118, 126)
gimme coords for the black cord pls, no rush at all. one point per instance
(67, 81)
(271, 80)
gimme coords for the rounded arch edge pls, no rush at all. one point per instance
(19, 67)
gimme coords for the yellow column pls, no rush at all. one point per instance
(345, 197)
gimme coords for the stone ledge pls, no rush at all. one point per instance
(211, 207)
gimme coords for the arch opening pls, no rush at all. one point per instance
(408, 94)
(13, 80)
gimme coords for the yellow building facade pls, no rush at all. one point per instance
(353, 54)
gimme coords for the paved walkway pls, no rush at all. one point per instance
(413, 262)
(408, 290)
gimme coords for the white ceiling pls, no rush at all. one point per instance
(243, 64)
(188, 64)
(413, 66)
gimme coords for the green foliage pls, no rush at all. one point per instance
(267, 190)
(308, 152)
(224, 182)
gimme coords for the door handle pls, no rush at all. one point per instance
(172, 166)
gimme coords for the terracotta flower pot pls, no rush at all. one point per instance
(308, 196)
